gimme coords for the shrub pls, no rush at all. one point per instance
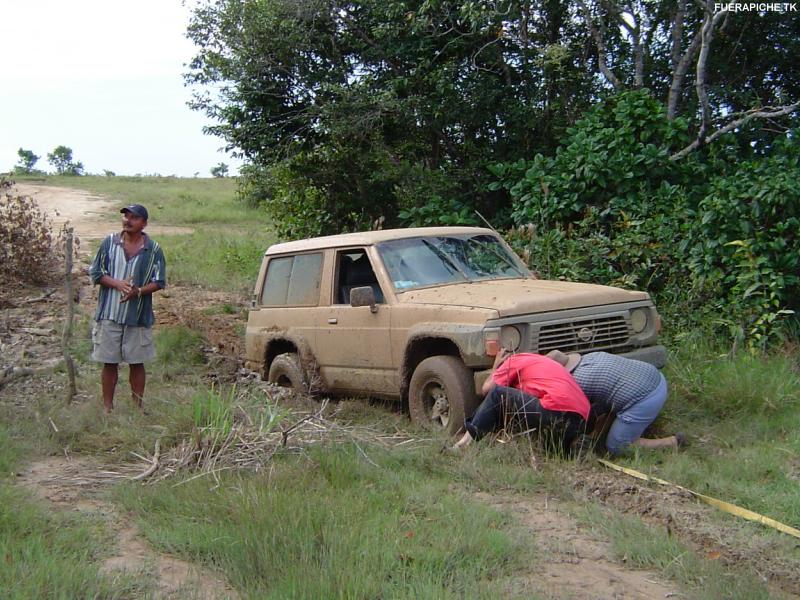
(26, 239)
(713, 237)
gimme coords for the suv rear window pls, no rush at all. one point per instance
(293, 280)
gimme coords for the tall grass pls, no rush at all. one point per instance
(645, 547)
(340, 522)
(46, 554)
(741, 415)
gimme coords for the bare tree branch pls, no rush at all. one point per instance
(709, 23)
(597, 35)
(767, 112)
(679, 73)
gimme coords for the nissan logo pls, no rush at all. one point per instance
(585, 334)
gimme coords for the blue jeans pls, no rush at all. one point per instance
(506, 407)
(631, 422)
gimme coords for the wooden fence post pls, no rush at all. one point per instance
(66, 336)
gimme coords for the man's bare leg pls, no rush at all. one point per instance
(667, 442)
(137, 379)
(465, 441)
(108, 383)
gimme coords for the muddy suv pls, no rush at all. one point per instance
(419, 314)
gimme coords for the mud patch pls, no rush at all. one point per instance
(570, 563)
(77, 483)
(711, 534)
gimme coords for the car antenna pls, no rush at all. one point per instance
(489, 225)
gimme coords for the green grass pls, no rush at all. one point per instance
(340, 522)
(228, 239)
(334, 523)
(215, 259)
(170, 200)
(741, 413)
(46, 554)
(641, 546)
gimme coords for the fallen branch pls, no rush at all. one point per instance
(35, 330)
(42, 298)
(9, 374)
(153, 467)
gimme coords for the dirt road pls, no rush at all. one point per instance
(92, 216)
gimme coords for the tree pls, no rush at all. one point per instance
(61, 159)
(221, 170)
(660, 44)
(379, 107)
(27, 162)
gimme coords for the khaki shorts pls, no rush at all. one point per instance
(115, 343)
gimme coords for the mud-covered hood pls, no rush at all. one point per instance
(521, 296)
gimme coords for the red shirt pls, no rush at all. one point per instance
(544, 378)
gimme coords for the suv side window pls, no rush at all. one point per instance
(353, 270)
(293, 280)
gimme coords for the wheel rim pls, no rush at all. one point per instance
(436, 404)
(283, 381)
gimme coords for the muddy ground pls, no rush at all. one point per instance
(30, 330)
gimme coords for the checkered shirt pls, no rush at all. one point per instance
(615, 383)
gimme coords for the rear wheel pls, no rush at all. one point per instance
(285, 371)
(441, 393)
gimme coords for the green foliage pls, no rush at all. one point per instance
(715, 240)
(27, 162)
(61, 159)
(351, 113)
(438, 211)
(221, 170)
(747, 249)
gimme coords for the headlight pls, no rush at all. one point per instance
(510, 337)
(639, 319)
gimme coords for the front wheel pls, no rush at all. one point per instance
(440, 393)
(286, 371)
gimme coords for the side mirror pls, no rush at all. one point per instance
(363, 296)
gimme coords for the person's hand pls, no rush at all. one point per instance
(123, 287)
(501, 356)
(128, 291)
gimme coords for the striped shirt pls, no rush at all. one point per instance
(615, 383)
(147, 265)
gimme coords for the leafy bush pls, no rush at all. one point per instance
(715, 241)
(26, 239)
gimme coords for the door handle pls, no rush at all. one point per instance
(333, 321)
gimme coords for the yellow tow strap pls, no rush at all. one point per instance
(721, 504)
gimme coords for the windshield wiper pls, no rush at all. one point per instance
(438, 252)
(502, 257)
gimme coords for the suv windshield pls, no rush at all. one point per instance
(425, 261)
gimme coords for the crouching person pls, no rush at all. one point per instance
(533, 390)
(633, 390)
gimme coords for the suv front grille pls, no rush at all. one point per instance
(580, 335)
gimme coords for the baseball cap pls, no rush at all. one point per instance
(136, 209)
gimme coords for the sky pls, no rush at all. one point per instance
(103, 77)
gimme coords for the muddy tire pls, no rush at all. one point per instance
(441, 392)
(285, 371)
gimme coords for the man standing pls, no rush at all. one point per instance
(632, 390)
(534, 389)
(130, 267)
